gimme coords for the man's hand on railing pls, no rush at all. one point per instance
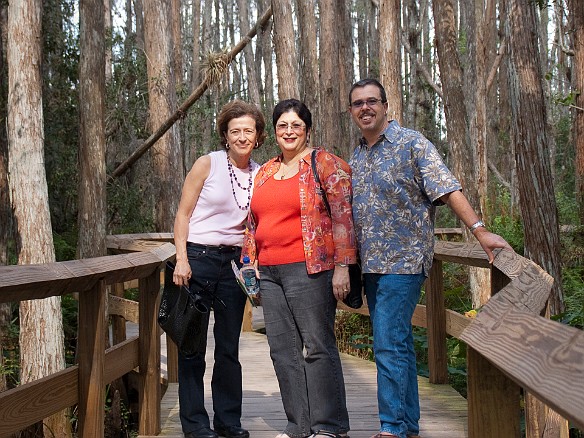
(491, 241)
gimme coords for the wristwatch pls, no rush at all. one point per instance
(476, 225)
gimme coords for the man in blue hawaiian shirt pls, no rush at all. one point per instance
(398, 180)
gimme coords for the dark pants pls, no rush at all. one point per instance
(213, 265)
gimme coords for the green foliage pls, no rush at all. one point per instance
(573, 286)
(9, 366)
(511, 229)
(69, 308)
(65, 245)
(127, 211)
(60, 109)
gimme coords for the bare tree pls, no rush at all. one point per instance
(252, 78)
(107, 15)
(329, 73)
(92, 174)
(166, 154)
(285, 50)
(538, 204)
(390, 56)
(264, 57)
(577, 18)
(177, 53)
(310, 92)
(5, 213)
(41, 326)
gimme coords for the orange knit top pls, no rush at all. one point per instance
(276, 209)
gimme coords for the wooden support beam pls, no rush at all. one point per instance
(493, 400)
(149, 356)
(436, 317)
(91, 355)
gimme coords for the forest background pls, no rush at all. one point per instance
(85, 88)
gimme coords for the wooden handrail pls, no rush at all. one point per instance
(508, 341)
(84, 383)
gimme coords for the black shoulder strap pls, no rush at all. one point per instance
(321, 191)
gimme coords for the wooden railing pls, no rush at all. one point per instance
(84, 384)
(510, 345)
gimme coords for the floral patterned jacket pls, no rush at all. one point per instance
(326, 241)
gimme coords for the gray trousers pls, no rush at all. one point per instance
(299, 312)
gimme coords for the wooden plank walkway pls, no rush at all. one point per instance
(444, 411)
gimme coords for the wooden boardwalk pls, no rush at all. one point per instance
(443, 409)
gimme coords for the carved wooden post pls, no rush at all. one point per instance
(149, 356)
(91, 354)
(493, 399)
(436, 317)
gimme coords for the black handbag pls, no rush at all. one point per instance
(354, 299)
(183, 315)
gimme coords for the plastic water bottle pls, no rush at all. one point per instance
(248, 273)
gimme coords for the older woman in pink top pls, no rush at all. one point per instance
(208, 234)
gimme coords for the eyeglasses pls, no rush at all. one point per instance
(370, 103)
(297, 128)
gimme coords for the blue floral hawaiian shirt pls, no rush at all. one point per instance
(397, 184)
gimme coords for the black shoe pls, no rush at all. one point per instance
(203, 432)
(231, 431)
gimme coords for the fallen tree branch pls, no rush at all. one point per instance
(196, 95)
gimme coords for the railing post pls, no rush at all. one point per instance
(149, 356)
(118, 322)
(436, 323)
(91, 355)
(493, 399)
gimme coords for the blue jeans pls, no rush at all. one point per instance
(213, 265)
(299, 312)
(392, 299)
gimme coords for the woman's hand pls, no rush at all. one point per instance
(341, 282)
(182, 273)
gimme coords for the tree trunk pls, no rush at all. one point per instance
(347, 129)
(390, 56)
(107, 15)
(310, 93)
(92, 174)
(265, 53)
(577, 18)
(166, 155)
(176, 25)
(196, 61)
(139, 13)
(329, 74)
(373, 41)
(538, 204)
(464, 117)
(363, 37)
(41, 326)
(252, 79)
(286, 56)
(5, 213)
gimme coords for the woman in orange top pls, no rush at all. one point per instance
(303, 253)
